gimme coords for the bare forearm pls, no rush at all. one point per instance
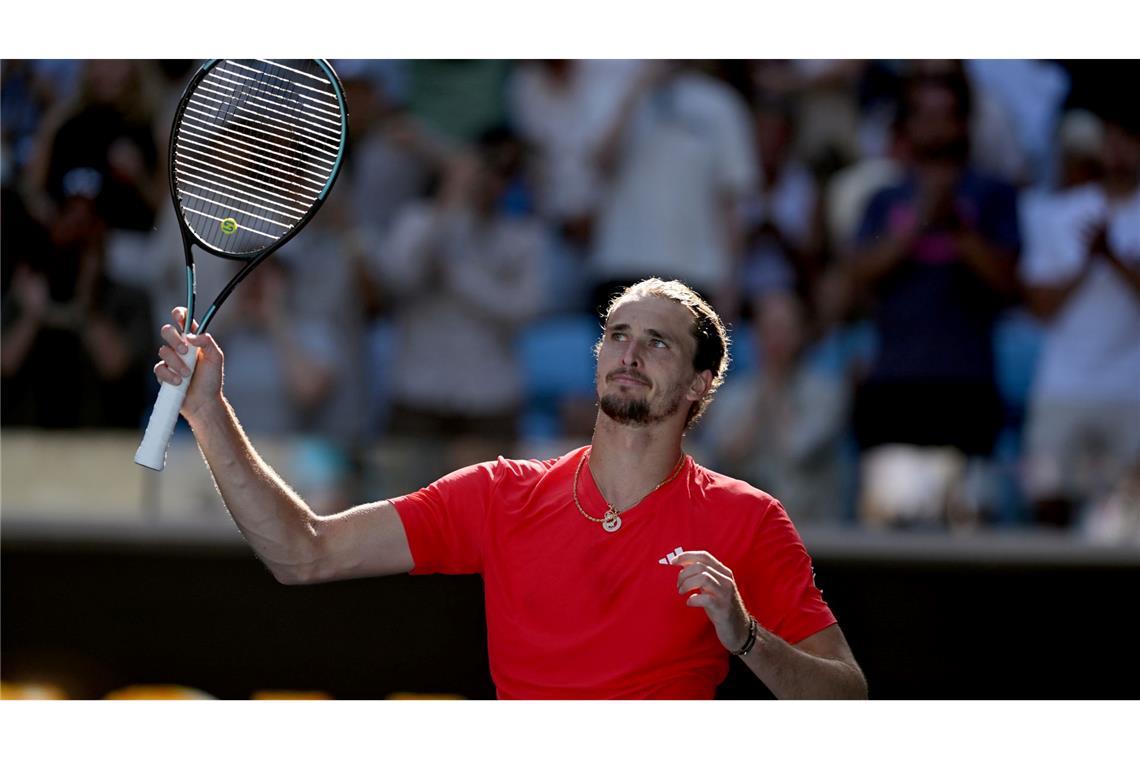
(1130, 274)
(994, 266)
(876, 262)
(609, 147)
(15, 344)
(1045, 301)
(107, 349)
(280, 528)
(794, 674)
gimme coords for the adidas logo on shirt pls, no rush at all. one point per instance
(668, 558)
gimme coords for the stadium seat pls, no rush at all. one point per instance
(557, 360)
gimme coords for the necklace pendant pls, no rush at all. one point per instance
(611, 522)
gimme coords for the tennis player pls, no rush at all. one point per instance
(622, 569)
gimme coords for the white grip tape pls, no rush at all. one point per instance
(156, 439)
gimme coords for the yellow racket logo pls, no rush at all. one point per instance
(229, 225)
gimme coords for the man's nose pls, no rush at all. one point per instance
(632, 355)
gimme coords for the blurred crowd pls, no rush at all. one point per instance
(930, 269)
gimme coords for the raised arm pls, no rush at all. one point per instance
(297, 545)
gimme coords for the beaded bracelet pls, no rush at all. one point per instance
(750, 641)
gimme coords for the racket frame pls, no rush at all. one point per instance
(188, 235)
(156, 438)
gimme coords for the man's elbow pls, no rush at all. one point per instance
(855, 685)
(304, 564)
(296, 575)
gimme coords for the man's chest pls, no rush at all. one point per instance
(556, 577)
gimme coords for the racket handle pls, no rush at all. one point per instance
(156, 439)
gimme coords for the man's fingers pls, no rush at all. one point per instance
(705, 583)
(166, 375)
(179, 314)
(174, 339)
(688, 558)
(174, 361)
(697, 568)
(700, 600)
(210, 350)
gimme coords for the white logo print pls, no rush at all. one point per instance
(668, 558)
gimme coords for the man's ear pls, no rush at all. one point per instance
(702, 381)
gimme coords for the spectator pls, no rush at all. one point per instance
(462, 276)
(561, 108)
(1082, 270)
(937, 255)
(288, 364)
(781, 428)
(290, 373)
(28, 90)
(779, 219)
(60, 310)
(389, 160)
(825, 94)
(1029, 94)
(678, 160)
(996, 147)
(850, 190)
(327, 292)
(108, 128)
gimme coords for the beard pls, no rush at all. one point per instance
(636, 412)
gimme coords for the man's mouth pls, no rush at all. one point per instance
(626, 378)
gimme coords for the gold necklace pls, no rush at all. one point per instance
(611, 520)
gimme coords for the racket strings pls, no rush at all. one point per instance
(255, 148)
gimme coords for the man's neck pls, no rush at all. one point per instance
(629, 462)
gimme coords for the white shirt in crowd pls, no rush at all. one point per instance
(687, 148)
(565, 122)
(1091, 348)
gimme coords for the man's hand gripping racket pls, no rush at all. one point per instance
(254, 150)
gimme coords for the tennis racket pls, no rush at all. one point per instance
(254, 150)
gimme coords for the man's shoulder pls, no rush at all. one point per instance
(530, 469)
(723, 491)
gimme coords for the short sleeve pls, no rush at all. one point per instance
(779, 584)
(445, 522)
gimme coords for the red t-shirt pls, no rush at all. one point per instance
(576, 612)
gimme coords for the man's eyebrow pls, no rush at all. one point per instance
(651, 332)
(658, 334)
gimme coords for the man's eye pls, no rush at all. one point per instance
(618, 336)
(658, 343)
